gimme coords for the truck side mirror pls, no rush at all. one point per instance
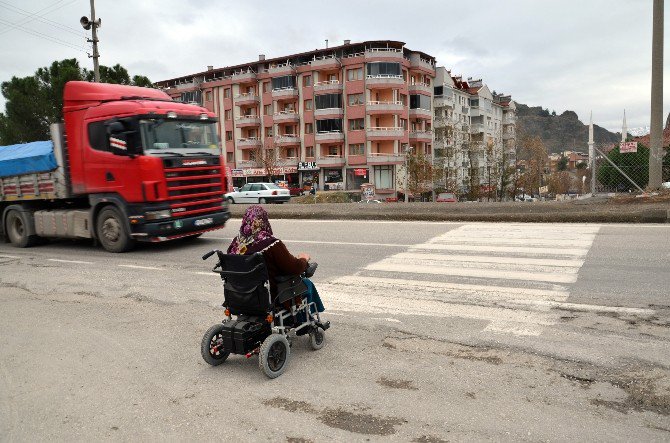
(121, 139)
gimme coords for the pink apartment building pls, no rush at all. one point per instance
(343, 115)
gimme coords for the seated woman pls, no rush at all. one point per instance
(256, 236)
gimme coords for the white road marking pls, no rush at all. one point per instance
(536, 261)
(207, 273)
(79, 262)
(392, 320)
(337, 243)
(9, 256)
(148, 268)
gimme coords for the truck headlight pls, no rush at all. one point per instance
(157, 215)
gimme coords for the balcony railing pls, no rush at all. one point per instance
(325, 61)
(247, 164)
(282, 68)
(384, 157)
(242, 76)
(289, 91)
(424, 87)
(331, 160)
(328, 111)
(419, 112)
(391, 105)
(287, 139)
(328, 85)
(247, 97)
(384, 79)
(385, 131)
(249, 142)
(329, 135)
(421, 135)
(444, 101)
(327, 82)
(383, 52)
(286, 116)
(248, 119)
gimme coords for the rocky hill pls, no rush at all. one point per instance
(560, 132)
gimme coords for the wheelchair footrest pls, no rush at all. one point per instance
(323, 325)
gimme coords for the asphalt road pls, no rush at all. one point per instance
(441, 331)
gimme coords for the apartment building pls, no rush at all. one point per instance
(343, 115)
(475, 134)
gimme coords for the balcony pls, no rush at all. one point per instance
(248, 143)
(421, 87)
(330, 160)
(444, 101)
(329, 113)
(382, 158)
(287, 161)
(244, 76)
(385, 107)
(326, 62)
(282, 69)
(247, 120)
(289, 92)
(421, 136)
(249, 98)
(287, 139)
(286, 116)
(328, 86)
(476, 128)
(394, 53)
(421, 113)
(422, 63)
(385, 132)
(384, 81)
(329, 137)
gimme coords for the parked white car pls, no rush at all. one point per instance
(259, 193)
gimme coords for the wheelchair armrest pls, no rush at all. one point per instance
(284, 278)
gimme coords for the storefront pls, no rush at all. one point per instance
(356, 177)
(255, 175)
(308, 173)
(332, 179)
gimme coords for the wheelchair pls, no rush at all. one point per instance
(262, 326)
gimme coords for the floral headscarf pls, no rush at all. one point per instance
(255, 232)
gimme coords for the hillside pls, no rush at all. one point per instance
(560, 132)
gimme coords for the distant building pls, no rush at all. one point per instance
(475, 134)
(342, 115)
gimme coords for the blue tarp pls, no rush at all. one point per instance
(27, 158)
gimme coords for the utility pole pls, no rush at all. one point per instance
(592, 158)
(655, 154)
(93, 24)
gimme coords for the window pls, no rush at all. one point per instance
(355, 74)
(229, 157)
(309, 151)
(268, 131)
(357, 149)
(226, 93)
(333, 151)
(356, 124)
(291, 153)
(355, 99)
(97, 136)
(307, 80)
(383, 68)
(208, 96)
(403, 123)
(329, 125)
(327, 101)
(308, 105)
(309, 128)
(417, 101)
(256, 187)
(384, 177)
(228, 115)
(267, 110)
(285, 82)
(266, 86)
(229, 135)
(438, 90)
(246, 187)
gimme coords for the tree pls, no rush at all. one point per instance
(562, 164)
(534, 154)
(266, 158)
(419, 171)
(559, 182)
(634, 164)
(34, 102)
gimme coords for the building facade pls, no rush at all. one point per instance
(475, 135)
(342, 116)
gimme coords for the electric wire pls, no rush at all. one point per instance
(29, 17)
(44, 36)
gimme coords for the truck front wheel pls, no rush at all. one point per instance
(17, 230)
(112, 231)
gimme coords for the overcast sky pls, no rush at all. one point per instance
(579, 55)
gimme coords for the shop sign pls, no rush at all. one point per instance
(307, 166)
(237, 173)
(368, 191)
(362, 172)
(255, 172)
(628, 147)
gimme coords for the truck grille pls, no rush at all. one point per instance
(194, 190)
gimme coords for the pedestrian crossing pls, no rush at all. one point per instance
(509, 276)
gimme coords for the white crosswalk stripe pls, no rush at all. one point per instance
(510, 276)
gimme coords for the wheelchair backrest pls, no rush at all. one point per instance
(245, 278)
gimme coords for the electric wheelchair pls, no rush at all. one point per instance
(262, 326)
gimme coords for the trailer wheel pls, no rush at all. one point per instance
(17, 230)
(112, 231)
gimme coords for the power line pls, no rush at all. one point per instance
(44, 36)
(39, 16)
(29, 14)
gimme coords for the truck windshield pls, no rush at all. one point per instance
(179, 136)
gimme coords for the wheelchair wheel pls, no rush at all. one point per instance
(274, 355)
(317, 338)
(211, 347)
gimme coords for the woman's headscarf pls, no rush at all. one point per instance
(255, 232)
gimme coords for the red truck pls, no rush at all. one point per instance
(129, 164)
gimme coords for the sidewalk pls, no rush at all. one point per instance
(598, 210)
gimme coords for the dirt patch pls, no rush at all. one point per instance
(429, 439)
(408, 342)
(341, 418)
(298, 440)
(397, 384)
(366, 424)
(583, 381)
(641, 397)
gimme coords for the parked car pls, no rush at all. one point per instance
(665, 185)
(259, 193)
(296, 190)
(446, 197)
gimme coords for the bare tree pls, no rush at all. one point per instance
(266, 157)
(533, 154)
